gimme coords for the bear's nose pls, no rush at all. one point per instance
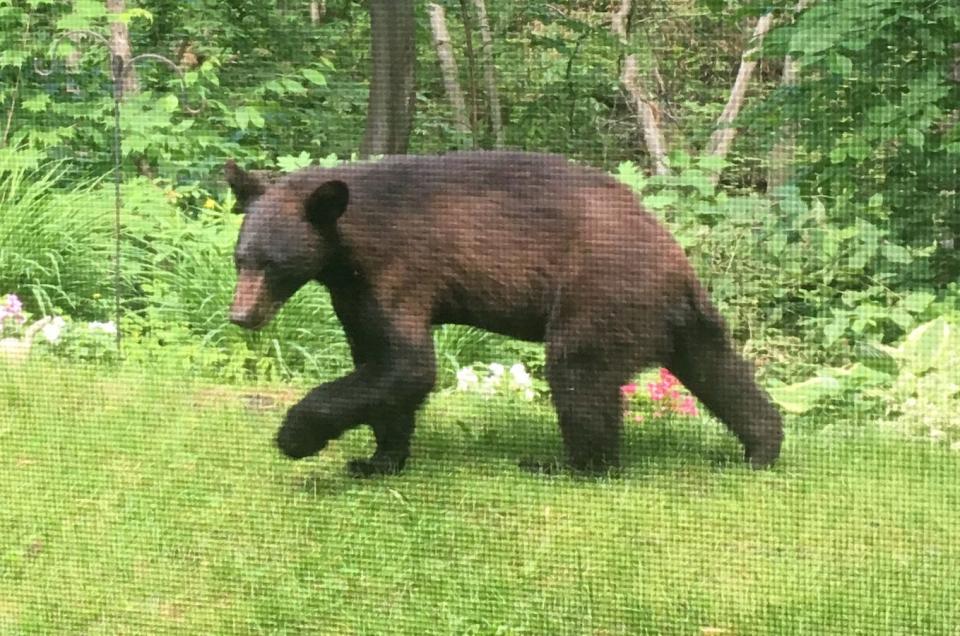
(242, 318)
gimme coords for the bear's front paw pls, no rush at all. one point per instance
(379, 464)
(297, 441)
(763, 452)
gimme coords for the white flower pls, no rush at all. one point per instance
(467, 379)
(51, 330)
(490, 384)
(529, 394)
(106, 327)
(520, 376)
(496, 369)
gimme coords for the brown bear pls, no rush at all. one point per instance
(522, 244)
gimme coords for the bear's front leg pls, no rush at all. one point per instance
(385, 394)
(393, 432)
(323, 415)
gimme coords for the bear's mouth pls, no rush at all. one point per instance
(253, 304)
(255, 319)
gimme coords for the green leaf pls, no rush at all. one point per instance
(805, 396)
(915, 138)
(13, 57)
(242, 117)
(696, 179)
(875, 201)
(661, 200)
(896, 253)
(293, 86)
(917, 302)
(876, 358)
(289, 163)
(860, 257)
(712, 163)
(838, 154)
(902, 318)
(883, 114)
(85, 14)
(858, 148)
(37, 104)
(840, 64)
(834, 331)
(776, 243)
(811, 41)
(314, 76)
(929, 346)
(248, 115)
(168, 103)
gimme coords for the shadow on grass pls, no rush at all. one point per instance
(526, 436)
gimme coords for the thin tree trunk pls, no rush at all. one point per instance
(648, 114)
(780, 170)
(619, 19)
(391, 100)
(722, 138)
(120, 46)
(448, 67)
(317, 10)
(471, 64)
(493, 98)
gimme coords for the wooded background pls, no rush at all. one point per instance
(805, 153)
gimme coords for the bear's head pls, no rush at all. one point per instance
(286, 238)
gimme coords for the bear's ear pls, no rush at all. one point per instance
(327, 202)
(245, 185)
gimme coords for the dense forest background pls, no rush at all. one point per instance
(805, 153)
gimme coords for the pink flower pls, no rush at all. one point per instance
(658, 391)
(628, 389)
(12, 308)
(668, 378)
(687, 407)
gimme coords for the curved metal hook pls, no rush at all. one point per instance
(119, 69)
(67, 34)
(176, 69)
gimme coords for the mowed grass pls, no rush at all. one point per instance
(133, 503)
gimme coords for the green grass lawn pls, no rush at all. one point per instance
(132, 504)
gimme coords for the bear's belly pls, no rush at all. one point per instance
(523, 323)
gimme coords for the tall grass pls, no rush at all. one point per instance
(55, 243)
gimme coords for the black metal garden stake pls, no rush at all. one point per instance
(118, 68)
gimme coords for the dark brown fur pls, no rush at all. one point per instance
(526, 245)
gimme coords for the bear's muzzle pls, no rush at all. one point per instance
(253, 304)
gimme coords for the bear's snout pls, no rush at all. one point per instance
(253, 304)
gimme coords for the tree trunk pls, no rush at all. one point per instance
(391, 100)
(780, 170)
(471, 64)
(489, 78)
(448, 67)
(722, 138)
(120, 46)
(317, 10)
(648, 114)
